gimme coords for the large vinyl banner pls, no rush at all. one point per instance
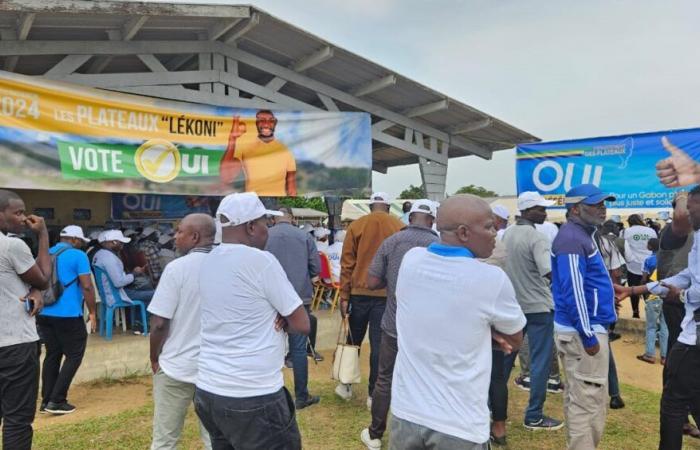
(623, 165)
(58, 136)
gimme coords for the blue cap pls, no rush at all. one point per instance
(588, 194)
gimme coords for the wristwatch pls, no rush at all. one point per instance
(683, 296)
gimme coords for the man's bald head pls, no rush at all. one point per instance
(467, 221)
(194, 230)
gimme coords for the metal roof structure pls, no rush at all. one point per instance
(241, 56)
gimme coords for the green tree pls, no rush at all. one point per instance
(316, 203)
(412, 192)
(476, 190)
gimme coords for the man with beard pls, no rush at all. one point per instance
(19, 361)
(583, 311)
(269, 166)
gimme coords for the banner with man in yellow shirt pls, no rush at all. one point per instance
(59, 136)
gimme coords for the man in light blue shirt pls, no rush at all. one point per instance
(61, 326)
(112, 241)
(682, 366)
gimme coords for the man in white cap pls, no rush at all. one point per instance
(108, 260)
(500, 219)
(365, 306)
(529, 268)
(321, 234)
(61, 325)
(247, 304)
(383, 272)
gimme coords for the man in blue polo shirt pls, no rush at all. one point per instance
(61, 325)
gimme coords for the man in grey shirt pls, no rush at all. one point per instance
(384, 272)
(529, 268)
(296, 251)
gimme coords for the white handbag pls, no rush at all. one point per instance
(346, 359)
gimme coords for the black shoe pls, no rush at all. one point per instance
(316, 356)
(59, 408)
(614, 336)
(635, 315)
(499, 441)
(616, 402)
(310, 400)
(42, 409)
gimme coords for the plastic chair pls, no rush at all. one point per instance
(107, 312)
(325, 283)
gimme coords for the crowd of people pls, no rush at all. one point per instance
(450, 296)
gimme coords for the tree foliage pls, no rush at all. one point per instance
(316, 203)
(476, 190)
(412, 192)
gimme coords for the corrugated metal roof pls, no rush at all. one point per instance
(271, 39)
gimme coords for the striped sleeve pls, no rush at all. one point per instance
(571, 268)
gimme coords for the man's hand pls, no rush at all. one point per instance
(677, 170)
(280, 323)
(344, 308)
(592, 351)
(93, 322)
(35, 223)
(621, 292)
(37, 301)
(237, 128)
(139, 270)
(155, 366)
(673, 295)
(501, 341)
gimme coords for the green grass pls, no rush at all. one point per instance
(335, 424)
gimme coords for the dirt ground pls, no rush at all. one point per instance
(106, 398)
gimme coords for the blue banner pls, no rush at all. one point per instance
(625, 166)
(154, 207)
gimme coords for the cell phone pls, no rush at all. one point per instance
(28, 304)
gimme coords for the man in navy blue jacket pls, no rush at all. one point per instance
(583, 310)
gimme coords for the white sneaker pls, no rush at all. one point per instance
(369, 403)
(372, 444)
(344, 391)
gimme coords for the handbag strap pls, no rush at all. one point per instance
(345, 327)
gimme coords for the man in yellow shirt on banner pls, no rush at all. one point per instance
(269, 166)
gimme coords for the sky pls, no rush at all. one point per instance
(558, 70)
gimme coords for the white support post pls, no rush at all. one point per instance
(67, 65)
(232, 68)
(434, 176)
(374, 86)
(218, 63)
(328, 103)
(205, 63)
(24, 24)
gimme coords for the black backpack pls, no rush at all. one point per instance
(56, 288)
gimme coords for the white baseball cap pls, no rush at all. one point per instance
(321, 232)
(74, 231)
(379, 197)
(113, 235)
(530, 199)
(241, 208)
(501, 211)
(424, 206)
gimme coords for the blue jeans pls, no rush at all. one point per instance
(142, 295)
(540, 333)
(655, 319)
(297, 353)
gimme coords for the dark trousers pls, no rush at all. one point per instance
(613, 382)
(265, 422)
(681, 393)
(65, 339)
(314, 328)
(634, 280)
(673, 315)
(368, 311)
(19, 382)
(300, 364)
(498, 389)
(381, 397)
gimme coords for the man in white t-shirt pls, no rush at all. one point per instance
(444, 287)
(334, 253)
(636, 252)
(19, 362)
(247, 304)
(175, 328)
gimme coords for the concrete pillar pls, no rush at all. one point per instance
(434, 176)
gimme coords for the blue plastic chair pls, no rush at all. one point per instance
(107, 322)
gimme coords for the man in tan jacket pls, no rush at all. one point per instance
(364, 306)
